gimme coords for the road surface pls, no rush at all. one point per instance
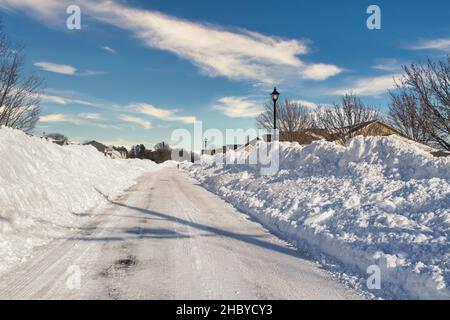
(168, 238)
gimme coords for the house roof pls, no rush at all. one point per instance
(97, 145)
(307, 136)
(310, 135)
(373, 122)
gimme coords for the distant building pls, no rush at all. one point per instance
(97, 145)
(109, 151)
(116, 152)
(56, 138)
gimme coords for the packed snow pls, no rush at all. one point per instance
(376, 201)
(47, 189)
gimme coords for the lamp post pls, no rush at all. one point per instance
(275, 95)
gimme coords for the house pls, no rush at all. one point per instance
(116, 152)
(374, 128)
(63, 142)
(370, 128)
(97, 145)
(58, 139)
(307, 136)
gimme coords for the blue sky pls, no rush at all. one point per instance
(138, 70)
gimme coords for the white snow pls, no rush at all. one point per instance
(46, 190)
(376, 201)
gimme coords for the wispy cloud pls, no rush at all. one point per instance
(65, 100)
(236, 54)
(163, 114)
(238, 107)
(90, 73)
(56, 68)
(91, 116)
(442, 44)
(389, 65)
(55, 117)
(135, 120)
(82, 119)
(109, 49)
(307, 104)
(140, 108)
(369, 86)
(65, 69)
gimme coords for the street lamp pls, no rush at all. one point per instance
(275, 95)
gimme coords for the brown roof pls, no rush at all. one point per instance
(307, 136)
(368, 123)
(97, 145)
(310, 135)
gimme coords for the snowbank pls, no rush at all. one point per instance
(376, 201)
(46, 189)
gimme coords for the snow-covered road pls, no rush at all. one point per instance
(168, 238)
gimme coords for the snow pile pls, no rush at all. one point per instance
(46, 189)
(376, 201)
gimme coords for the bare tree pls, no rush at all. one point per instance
(19, 94)
(162, 146)
(341, 119)
(292, 117)
(429, 86)
(163, 152)
(407, 115)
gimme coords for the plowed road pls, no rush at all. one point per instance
(168, 238)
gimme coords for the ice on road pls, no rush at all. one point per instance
(168, 238)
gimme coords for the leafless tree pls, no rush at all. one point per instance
(162, 146)
(341, 119)
(292, 117)
(407, 115)
(19, 93)
(429, 86)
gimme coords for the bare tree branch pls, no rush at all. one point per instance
(292, 117)
(19, 94)
(341, 119)
(427, 87)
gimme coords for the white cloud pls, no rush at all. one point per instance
(370, 86)
(239, 107)
(64, 100)
(90, 73)
(56, 117)
(321, 71)
(135, 120)
(442, 44)
(163, 114)
(56, 68)
(91, 116)
(109, 49)
(236, 54)
(141, 108)
(387, 65)
(307, 104)
(66, 69)
(79, 120)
